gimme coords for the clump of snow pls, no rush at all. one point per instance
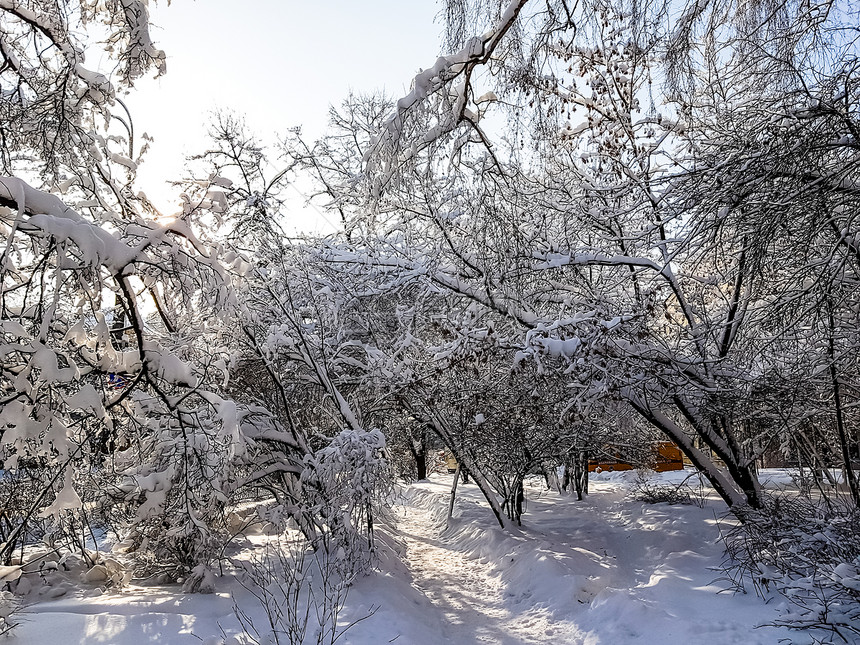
(66, 500)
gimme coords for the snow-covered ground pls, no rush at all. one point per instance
(606, 570)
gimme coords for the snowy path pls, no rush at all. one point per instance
(602, 571)
(473, 604)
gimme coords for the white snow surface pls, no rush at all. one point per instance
(606, 570)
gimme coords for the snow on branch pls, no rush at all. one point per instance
(140, 52)
(387, 151)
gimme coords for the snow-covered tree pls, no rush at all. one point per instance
(624, 218)
(116, 321)
(298, 354)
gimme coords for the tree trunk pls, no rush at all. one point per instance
(421, 465)
(583, 460)
(577, 477)
(729, 490)
(850, 477)
(453, 495)
(420, 457)
(550, 475)
(724, 445)
(520, 497)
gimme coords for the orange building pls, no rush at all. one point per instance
(667, 456)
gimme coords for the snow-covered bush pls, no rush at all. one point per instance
(806, 550)
(301, 595)
(650, 492)
(348, 487)
(660, 494)
(178, 493)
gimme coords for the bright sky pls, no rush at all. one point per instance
(281, 63)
